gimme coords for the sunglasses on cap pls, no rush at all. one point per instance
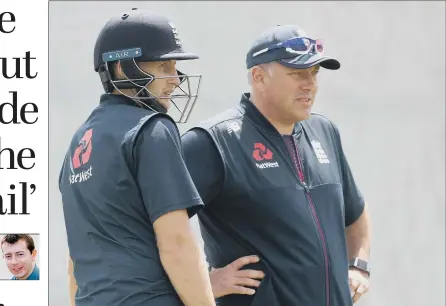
(296, 45)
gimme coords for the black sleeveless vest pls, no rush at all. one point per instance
(294, 220)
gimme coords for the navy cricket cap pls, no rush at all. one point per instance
(280, 34)
(140, 34)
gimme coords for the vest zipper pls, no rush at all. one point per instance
(316, 220)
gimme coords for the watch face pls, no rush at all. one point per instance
(360, 264)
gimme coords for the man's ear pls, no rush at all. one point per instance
(258, 77)
(116, 71)
(34, 254)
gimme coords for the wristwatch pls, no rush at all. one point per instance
(359, 264)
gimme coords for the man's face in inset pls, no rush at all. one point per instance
(19, 259)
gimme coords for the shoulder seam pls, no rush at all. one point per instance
(202, 124)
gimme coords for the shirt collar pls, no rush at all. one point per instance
(252, 112)
(35, 274)
(111, 99)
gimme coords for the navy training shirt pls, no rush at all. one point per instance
(287, 199)
(124, 169)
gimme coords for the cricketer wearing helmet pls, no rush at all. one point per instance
(127, 195)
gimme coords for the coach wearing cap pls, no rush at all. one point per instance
(276, 183)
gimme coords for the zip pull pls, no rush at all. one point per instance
(307, 189)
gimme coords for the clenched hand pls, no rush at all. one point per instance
(231, 280)
(359, 283)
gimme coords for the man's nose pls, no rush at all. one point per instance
(307, 82)
(175, 79)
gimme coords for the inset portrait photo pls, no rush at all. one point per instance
(19, 257)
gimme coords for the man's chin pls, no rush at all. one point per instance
(164, 103)
(20, 275)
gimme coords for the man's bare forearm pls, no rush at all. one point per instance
(188, 273)
(358, 237)
(182, 259)
(72, 285)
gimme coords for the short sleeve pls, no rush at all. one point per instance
(204, 163)
(353, 199)
(162, 175)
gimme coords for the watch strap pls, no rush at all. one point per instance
(360, 264)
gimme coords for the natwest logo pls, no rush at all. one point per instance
(81, 157)
(262, 153)
(83, 151)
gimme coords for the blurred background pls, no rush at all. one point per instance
(388, 100)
